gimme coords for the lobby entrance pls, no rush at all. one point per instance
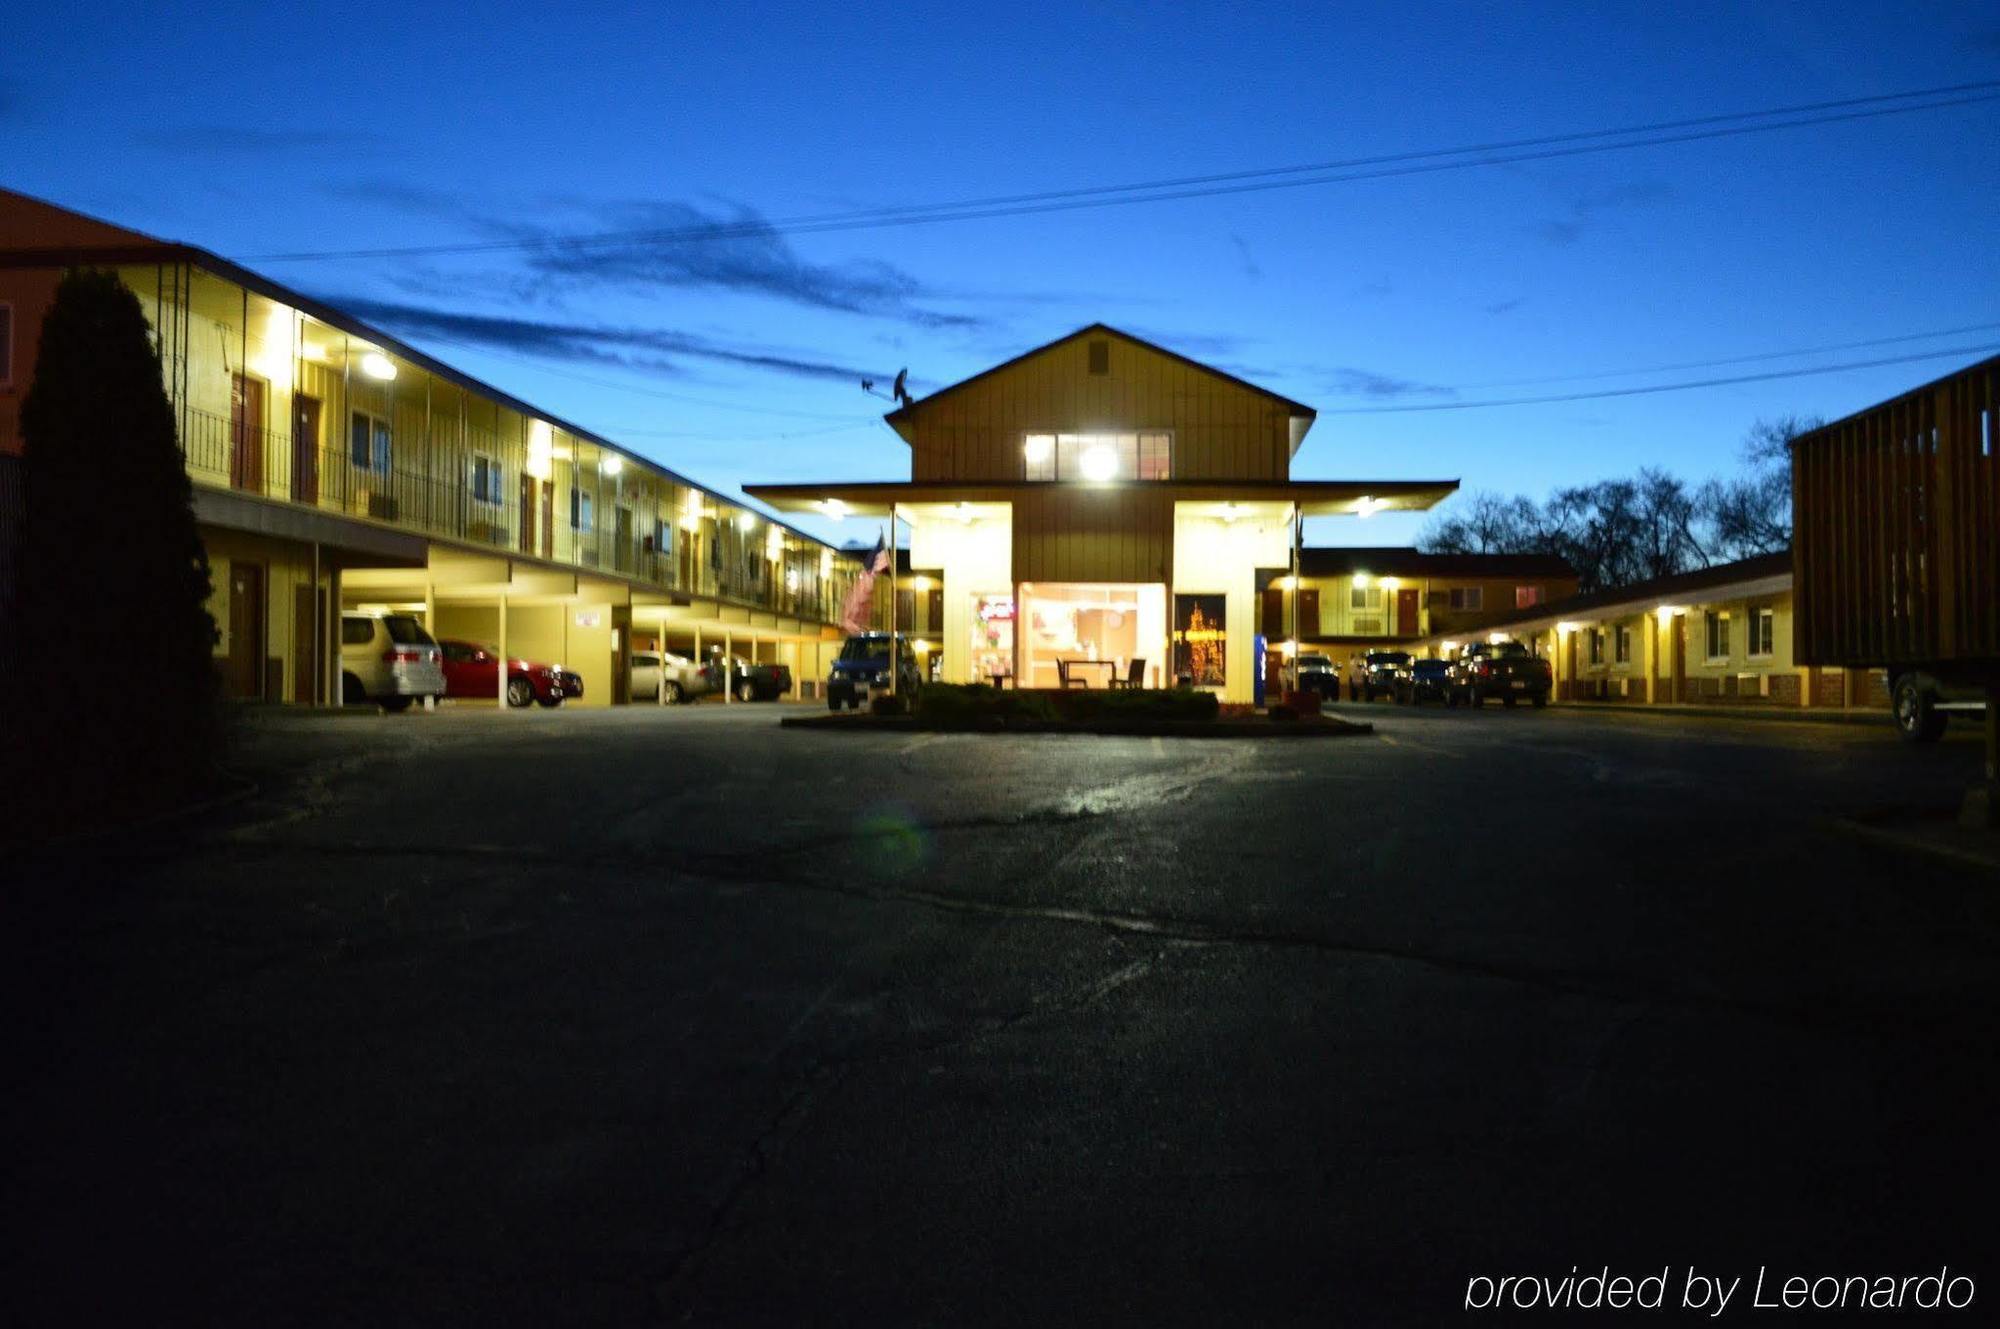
(1092, 632)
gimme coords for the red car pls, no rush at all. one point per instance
(472, 670)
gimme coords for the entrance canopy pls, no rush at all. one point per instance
(1315, 498)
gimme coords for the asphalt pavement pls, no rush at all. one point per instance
(673, 1015)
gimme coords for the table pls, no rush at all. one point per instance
(1063, 668)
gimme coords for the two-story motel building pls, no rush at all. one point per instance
(1099, 501)
(336, 467)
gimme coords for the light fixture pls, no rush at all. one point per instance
(1447, 646)
(833, 508)
(746, 521)
(1368, 505)
(1230, 512)
(920, 583)
(1666, 612)
(378, 366)
(1390, 583)
(1360, 581)
(1038, 447)
(964, 512)
(1566, 628)
(1099, 463)
(612, 464)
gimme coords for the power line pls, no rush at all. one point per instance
(1735, 359)
(1345, 171)
(1661, 387)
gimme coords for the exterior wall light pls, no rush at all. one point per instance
(1390, 583)
(612, 464)
(1368, 505)
(1038, 448)
(746, 521)
(1099, 464)
(920, 583)
(1360, 581)
(378, 366)
(1566, 628)
(833, 508)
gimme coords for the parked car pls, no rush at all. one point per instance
(473, 670)
(1319, 674)
(752, 682)
(1378, 673)
(863, 665)
(664, 676)
(1504, 669)
(1922, 699)
(388, 659)
(1421, 681)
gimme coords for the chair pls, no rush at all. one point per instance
(1135, 674)
(1062, 673)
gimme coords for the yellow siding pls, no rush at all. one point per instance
(1081, 533)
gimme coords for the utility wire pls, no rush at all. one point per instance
(1734, 359)
(1344, 171)
(1660, 387)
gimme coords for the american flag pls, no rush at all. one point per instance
(854, 614)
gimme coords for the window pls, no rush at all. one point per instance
(1527, 596)
(1100, 457)
(1718, 635)
(356, 631)
(1621, 643)
(1597, 646)
(663, 538)
(1364, 597)
(1762, 622)
(488, 481)
(369, 442)
(1468, 598)
(582, 511)
(6, 346)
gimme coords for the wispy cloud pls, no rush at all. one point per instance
(1245, 259)
(657, 350)
(1588, 209)
(235, 141)
(677, 245)
(1499, 307)
(1349, 381)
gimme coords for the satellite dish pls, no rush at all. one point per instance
(902, 388)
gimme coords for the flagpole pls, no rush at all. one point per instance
(895, 680)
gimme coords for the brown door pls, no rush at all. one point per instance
(1406, 611)
(548, 520)
(305, 449)
(527, 514)
(308, 613)
(1274, 612)
(1308, 612)
(245, 673)
(246, 432)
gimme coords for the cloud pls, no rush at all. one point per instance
(1506, 306)
(1587, 209)
(1249, 264)
(655, 349)
(231, 141)
(639, 246)
(1352, 382)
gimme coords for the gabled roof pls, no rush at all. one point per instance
(902, 414)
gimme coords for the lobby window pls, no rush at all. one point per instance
(1621, 643)
(1762, 624)
(1468, 598)
(1718, 634)
(582, 511)
(488, 481)
(1097, 457)
(369, 442)
(1527, 596)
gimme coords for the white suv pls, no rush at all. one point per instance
(388, 658)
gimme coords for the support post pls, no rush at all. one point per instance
(501, 646)
(728, 667)
(895, 682)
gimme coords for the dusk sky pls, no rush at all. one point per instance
(262, 130)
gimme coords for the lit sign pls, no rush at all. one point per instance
(992, 607)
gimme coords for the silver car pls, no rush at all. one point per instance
(388, 659)
(663, 676)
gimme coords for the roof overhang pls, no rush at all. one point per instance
(1314, 498)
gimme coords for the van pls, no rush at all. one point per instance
(388, 659)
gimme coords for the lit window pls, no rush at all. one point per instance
(1097, 458)
(1364, 597)
(1527, 596)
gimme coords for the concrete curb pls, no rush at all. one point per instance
(1784, 715)
(1984, 858)
(1258, 729)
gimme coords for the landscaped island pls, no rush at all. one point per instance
(1177, 712)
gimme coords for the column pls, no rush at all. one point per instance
(501, 646)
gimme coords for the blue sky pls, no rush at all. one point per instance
(256, 130)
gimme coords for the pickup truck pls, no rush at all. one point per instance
(1504, 669)
(1319, 674)
(1379, 672)
(753, 682)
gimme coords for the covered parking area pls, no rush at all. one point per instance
(590, 625)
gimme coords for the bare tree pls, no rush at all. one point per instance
(1752, 514)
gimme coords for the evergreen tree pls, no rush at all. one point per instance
(109, 655)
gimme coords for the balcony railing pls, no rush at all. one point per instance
(227, 454)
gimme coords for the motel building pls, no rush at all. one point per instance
(336, 468)
(1102, 509)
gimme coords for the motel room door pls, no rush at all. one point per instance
(305, 449)
(1406, 611)
(244, 676)
(246, 432)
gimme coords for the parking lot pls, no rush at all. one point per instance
(617, 1016)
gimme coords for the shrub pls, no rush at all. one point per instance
(982, 706)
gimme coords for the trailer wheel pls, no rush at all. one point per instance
(1917, 717)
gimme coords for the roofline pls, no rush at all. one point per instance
(173, 252)
(1297, 409)
(1991, 362)
(1758, 569)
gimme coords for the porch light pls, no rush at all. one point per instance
(1360, 581)
(1368, 505)
(1099, 464)
(833, 508)
(612, 464)
(1230, 512)
(1390, 583)
(746, 521)
(920, 583)
(921, 647)
(1566, 628)
(1038, 448)
(378, 366)
(1666, 612)
(964, 512)
(1447, 646)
